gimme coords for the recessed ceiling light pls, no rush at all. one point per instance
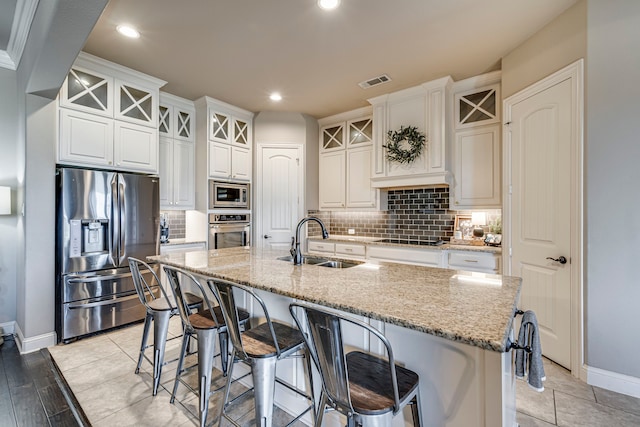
(128, 31)
(328, 4)
(275, 97)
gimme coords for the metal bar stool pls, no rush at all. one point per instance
(202, 325)
(361, 386)
(260, 347)
(159, 309)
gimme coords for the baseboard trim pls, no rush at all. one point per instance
(31, 344)
(613, 381)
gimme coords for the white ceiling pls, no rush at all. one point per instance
(239, 51)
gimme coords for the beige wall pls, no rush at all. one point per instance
(558, 44)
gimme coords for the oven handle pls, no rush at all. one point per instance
(101, 303)
(229, 228)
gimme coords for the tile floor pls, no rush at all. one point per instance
(100, 369)
(100, 372)
(567, 401)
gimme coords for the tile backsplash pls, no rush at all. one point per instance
(177, 223)
(419, 214)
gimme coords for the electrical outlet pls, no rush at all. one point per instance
(351, 231)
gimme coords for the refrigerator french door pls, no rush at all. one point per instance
(102, 218)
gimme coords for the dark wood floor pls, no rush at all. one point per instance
(32, 392)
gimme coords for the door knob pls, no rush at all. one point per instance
(266, 236)
(560, 259)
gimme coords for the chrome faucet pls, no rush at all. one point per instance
(295, 241)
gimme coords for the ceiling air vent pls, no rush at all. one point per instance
(374, 81)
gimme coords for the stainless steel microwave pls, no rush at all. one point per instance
(228, 195)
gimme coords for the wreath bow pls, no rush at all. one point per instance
(397, 151)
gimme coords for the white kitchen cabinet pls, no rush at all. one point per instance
(85, 139)
(332, 176)
(230, 133)
(176, 117)
(182, 247)
(476, 169)
(325, 248)
(241, 163)
(177, 177)
(406, 255)
(359, 193)
(484, 262)
(350, 250)
(176, 124)
(477, 144)
(135, 147)
(424, 107)
(107, 117)
(346, 144)
(338, 249)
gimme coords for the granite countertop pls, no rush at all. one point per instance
(172, 242)
(471, 308)
(375, 241)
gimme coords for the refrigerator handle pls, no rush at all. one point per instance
(114, 228)
(122, 251)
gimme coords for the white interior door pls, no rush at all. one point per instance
(541, 133)
(279, 187)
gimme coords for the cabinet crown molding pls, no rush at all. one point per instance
(412, 91)
(478, 81)
(87, 60)
(347, 115)
(167, 98)
(222, 106)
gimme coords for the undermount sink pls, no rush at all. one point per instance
(313, 260)
(339, 264)
(322, 262)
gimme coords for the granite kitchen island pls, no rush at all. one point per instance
(451, 327)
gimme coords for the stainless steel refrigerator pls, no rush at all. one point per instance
(102, 218)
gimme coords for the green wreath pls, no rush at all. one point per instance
(397, 150)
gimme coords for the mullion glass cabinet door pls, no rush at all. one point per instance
(87, 91)
(165, 114)
(135, 103)
(184, 129)
(332, 137)
(360, 132)
(220, 128)
(241, 132)
(478, 107)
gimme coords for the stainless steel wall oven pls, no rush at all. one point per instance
(229, 230)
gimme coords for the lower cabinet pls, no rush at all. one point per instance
(483, 262)
(341, 250)
(417, 256)
(182, 247)
(455, 259)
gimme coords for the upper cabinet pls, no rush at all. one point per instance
(108, 117)
(345, 162)
(176, 118)
(476, 143)
(424, 107)
(176, 126)
(229, 138)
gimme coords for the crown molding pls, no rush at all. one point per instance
(25, 11)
